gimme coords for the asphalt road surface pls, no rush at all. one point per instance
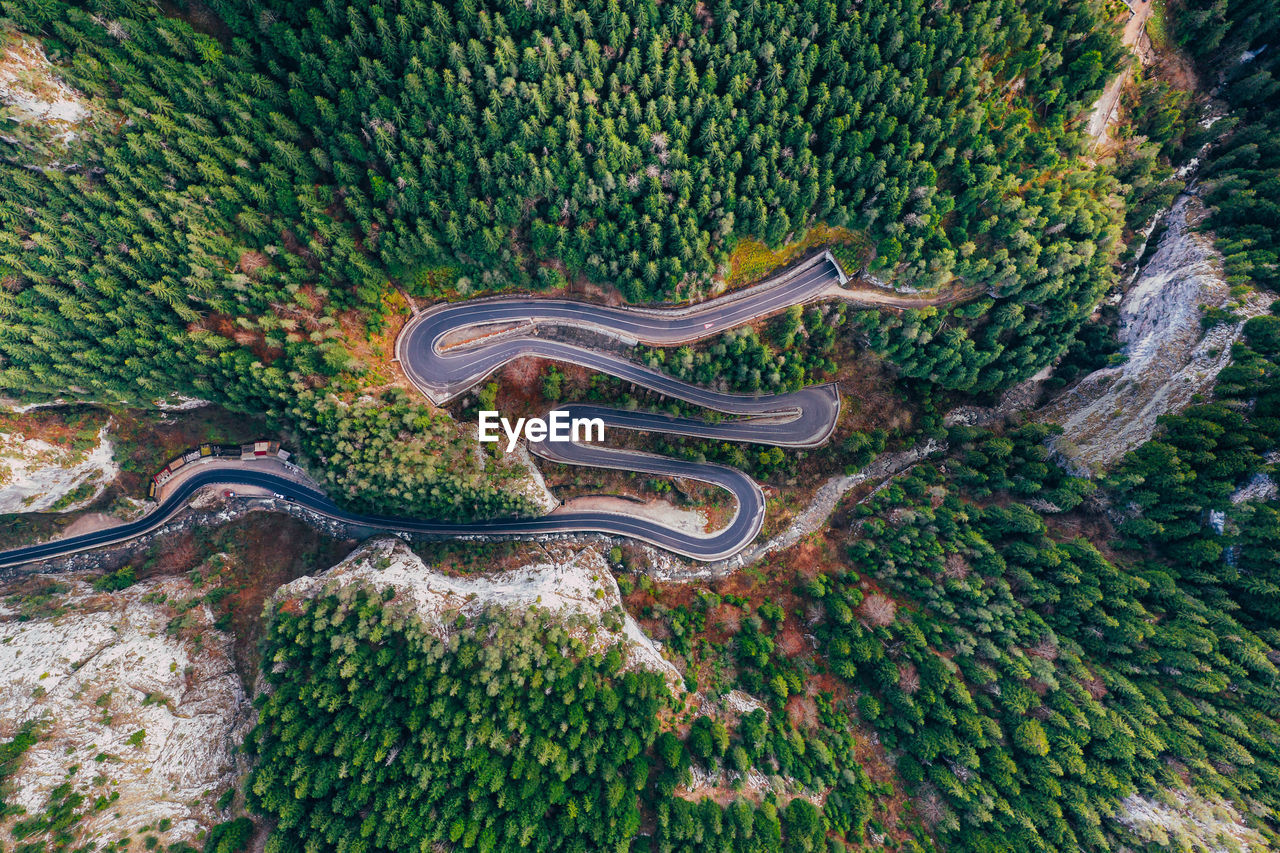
(443, 373)
(724, 542)
(804, 418)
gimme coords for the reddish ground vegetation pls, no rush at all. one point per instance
(464, 558)
(1091, 525)
(180, 553)
(375, 351)
(777, 579)
(73, 427)
(146, 441)
(588, 291)
(255, 341)
(791, 641)
(259, 552)
(250, 262)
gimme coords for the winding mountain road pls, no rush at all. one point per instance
(804, 418)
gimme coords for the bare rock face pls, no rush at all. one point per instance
(36, 475)
(96, 669)
(32, 92)
(1184, 820)
(572, 582)
(1171, 358)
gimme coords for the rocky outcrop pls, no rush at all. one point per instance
(1183, 820)
(573, 582)
(96, 669)
(1015, 400)
(1171, 357)
(33, 93)
(37, 475)
(532, 486)
(176, 402)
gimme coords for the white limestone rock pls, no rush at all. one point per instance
(35, 475)
(1171, 359)
(101, 668)
(575, 583)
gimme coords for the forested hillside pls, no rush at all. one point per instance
(378, 734)
(979, 654)
(1235, 42)
(1041, 683)
(509, 736)
(1031, 688)
(241, 187)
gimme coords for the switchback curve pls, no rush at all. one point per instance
(804, 418)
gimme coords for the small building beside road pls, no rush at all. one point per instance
(245, 452)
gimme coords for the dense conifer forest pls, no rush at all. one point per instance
(985, 654)
(1235, 42)
(245, 187)
(1028, 683)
